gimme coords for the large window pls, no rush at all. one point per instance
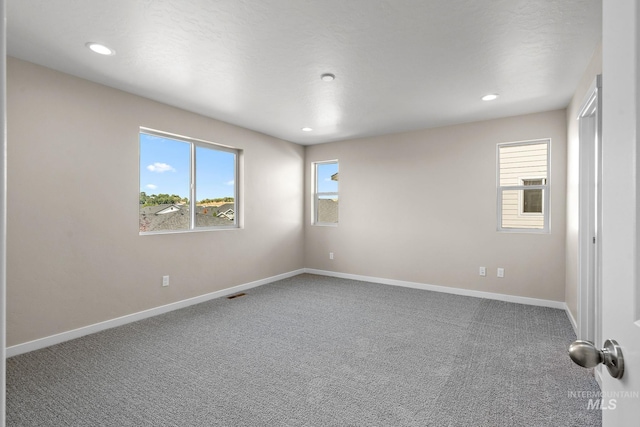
(186, 184)
(325, 192)
(523, 186)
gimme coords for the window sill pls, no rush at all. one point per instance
(197, 230)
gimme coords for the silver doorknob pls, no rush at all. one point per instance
(585, 354)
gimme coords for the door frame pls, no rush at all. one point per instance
(3, 207)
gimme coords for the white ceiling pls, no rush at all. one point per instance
(399, 64)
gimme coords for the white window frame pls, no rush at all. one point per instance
(194, 142)
(545, 193)
(317, 195)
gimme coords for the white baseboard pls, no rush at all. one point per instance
(572, 319)
(119, 321)
(457, 291)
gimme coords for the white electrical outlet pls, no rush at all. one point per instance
(330, 255)
(500, 272)
(483, 271)
(165, 280)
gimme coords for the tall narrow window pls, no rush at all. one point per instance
(325, 193)
(523, 186)
(186, 184)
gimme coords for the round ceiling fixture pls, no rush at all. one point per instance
(328, 77)
(490, 97)
(306, 129)
(100, 49)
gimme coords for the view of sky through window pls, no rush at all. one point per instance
(325, 171)
(326, 193)
(164, 166)
(165, 169)
(214, 174)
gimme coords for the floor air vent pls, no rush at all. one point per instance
(236, 295)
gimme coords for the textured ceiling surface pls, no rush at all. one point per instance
(399, 64)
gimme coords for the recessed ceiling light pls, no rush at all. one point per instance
(100, 48)
(306, 129)
(490, 97)
(328, 77)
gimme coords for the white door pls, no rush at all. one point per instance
(620, 210)
(590, 128)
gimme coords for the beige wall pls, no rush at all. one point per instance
(573, 175)
(417, 206)
(421, 207)
(74, 254)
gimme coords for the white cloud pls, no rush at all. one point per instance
(152, 186)
(230, 182)
(160, 167)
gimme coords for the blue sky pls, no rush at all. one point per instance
(325, 184)
(165, 169)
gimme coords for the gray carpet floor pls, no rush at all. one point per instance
(313, 351)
